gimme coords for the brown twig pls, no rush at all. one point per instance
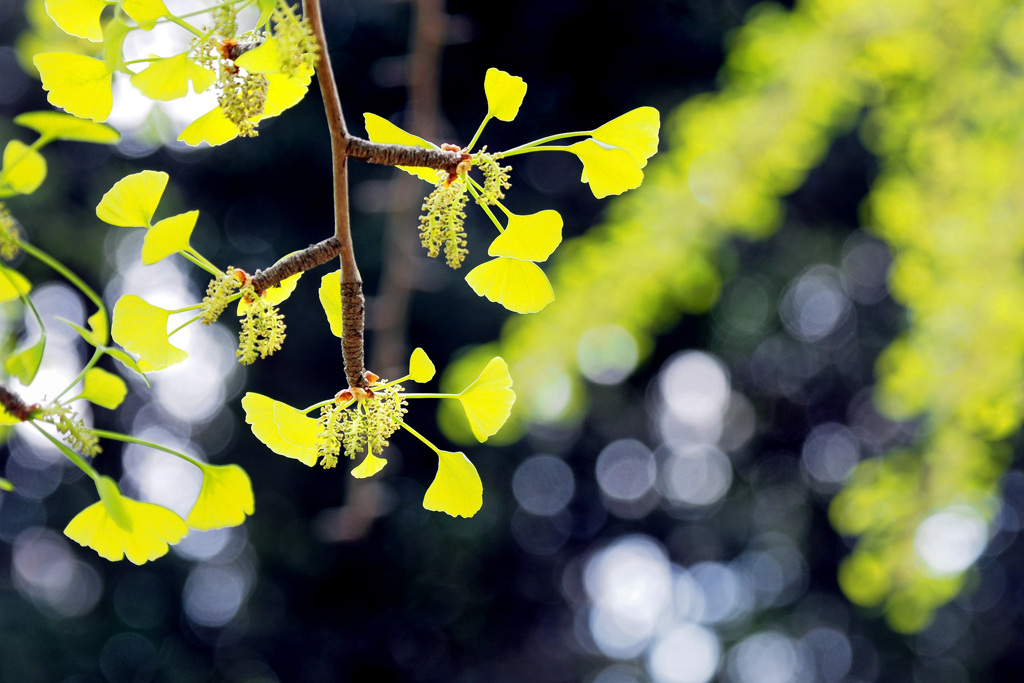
(15, 405)
(299, 262)
(352, 302)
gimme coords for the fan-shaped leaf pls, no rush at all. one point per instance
(168, 237)
(529, 238)
(505, 94)
(132, 201)
(141, 328)
(78, 84)
(519, 286)
(456, 489)
(284, 430)
(488, 400)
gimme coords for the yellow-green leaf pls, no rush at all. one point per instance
(224, 500)
(284, 430)
(529, 238)
(55, 125)
(168, 78)
(488, 400)
(519, 286)
(168, 237)
(6, 485)
(370, 466)
(263, 59)
(608, 170)
(383, 131)
(103, 388)
(213, 128)
(145, 12)
(99, 325)
(421, 368)
(24, 168)
(457, 489)
(330, 299)
(80, 18)
(635, 131)
(284, 91)
(25, 363)
(12, 285)
(141, 328)
(276, 294)
(117, 526)
(78, 84)
(505, 94)
(132, 201)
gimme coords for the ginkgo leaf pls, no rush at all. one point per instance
(118, 526)
(225, 498)
(25, 363)
(12, 285)
(78, 84)
(285, 430)
(284, 91)
(24, 168)
(55, 125)
(529, 238)
(505, 94)
(370, 466)
(519, 286)
(145, 12)
(421, 368)
(263, 59)
(635, 131)
(99, 325)
(79, 18)
(103, 388)
(168, 237)
(608, 170)
(213, 128)
(488, 400)
(141, 328)
(457, 489)
(132, 201)
(381, 130)
(276, 294)
(168, 78)
(330, 299)
(5, 485)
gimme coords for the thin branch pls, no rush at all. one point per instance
(403, 155)
(299, 262)
(15, 405)
(352, 302)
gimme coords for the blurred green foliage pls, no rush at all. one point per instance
(935, 88)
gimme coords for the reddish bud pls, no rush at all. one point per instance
(370, 377)
(343, 395)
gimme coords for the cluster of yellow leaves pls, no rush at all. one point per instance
(456, 489)
(82, 84)
(118, 526)
(613, 157)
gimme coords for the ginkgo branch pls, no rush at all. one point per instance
(15, 405)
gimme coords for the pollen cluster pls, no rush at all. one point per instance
(360, 426)
(442, 222)
(263, 329)
(8, 234)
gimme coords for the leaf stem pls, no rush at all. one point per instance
(418, 435)
(479, 131)
(96, 355)
(68, 453)
(117, 436)
(529, 146)
(66, 273)
(185, 324)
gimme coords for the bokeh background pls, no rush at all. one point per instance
(699, 412)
